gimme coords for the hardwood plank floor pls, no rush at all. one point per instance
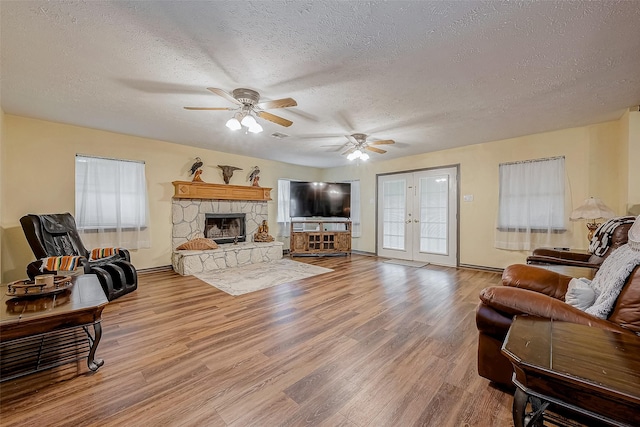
(369, 344)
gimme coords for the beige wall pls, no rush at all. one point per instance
(633, 160)
(595, 157)
(2, 156)
(38, 166)
(583, 148)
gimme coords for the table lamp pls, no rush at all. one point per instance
(591, 210)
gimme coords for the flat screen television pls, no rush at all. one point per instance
(320, 199)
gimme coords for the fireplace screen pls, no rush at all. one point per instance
(225, 228)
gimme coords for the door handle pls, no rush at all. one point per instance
(408, 221)
(416, 220)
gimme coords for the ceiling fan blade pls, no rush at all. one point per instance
(375, 150)
(277, 103)
(349, 151)
(275, 119)
(382, 142)
(224, 94)
(208, 108)
(352, 139)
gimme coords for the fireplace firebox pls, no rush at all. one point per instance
(225, 228)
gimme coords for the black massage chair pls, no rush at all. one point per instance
(54, 236)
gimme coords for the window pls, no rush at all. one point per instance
(111, 200)
(532, 200)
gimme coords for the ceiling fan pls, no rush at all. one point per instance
(248, 105)
(359, 143)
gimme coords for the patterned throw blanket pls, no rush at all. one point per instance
(602, 237)
(60, 263)
(610, 279)
(103, 253)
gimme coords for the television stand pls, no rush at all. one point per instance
(320, 237)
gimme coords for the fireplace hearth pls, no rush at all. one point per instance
(225, 227)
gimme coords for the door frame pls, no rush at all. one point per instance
(455, 166)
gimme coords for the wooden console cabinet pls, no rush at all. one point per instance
(320, 237)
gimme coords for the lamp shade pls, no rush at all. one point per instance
(255, 128)
(592, 208)
(248, 121)
(233, 124)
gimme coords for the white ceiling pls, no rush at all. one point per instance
(429, 74)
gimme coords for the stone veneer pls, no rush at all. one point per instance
(226, 256)
(188, 217)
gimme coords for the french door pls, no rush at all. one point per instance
(417, 216)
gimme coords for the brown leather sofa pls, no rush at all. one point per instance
(539, 292)
(553, 256)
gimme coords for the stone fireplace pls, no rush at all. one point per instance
(225, 228)
(193, 218)
(189, 217)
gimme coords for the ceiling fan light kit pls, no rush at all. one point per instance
(359, 145)
(249, 108)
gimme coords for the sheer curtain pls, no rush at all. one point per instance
(283, 219)
(111, 203)
(532, 204)
(356, 226)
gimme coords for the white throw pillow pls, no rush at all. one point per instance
(580, 294)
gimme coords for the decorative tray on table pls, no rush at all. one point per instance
(28, 288)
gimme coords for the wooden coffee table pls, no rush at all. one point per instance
(38, 333)
(587, 370)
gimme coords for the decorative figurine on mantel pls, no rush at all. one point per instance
(254, 177)
(227, 172)
(263, 233)
(196, 171)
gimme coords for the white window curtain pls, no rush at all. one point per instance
(284, 218)
(111, 203)
(356, 226)
(532, 204)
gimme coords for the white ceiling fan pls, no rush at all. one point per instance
(248, 106)
(359, 144)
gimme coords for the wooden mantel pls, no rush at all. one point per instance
(203, 190)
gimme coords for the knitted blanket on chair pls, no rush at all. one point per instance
(604, 234)
(610, 279)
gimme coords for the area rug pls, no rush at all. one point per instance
(253, 277)
(406, 263)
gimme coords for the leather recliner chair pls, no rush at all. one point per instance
(56, 235)
(617, 238)
(539, 292)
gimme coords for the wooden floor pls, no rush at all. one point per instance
(369, 344)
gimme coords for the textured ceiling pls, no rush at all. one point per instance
(430, 75)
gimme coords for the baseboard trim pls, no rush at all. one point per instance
(155, 269)
(365, 253)
(482, 268)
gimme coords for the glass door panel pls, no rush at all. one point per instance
(417, 216)
(393, 214)
(394, 198)
(434, 208)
